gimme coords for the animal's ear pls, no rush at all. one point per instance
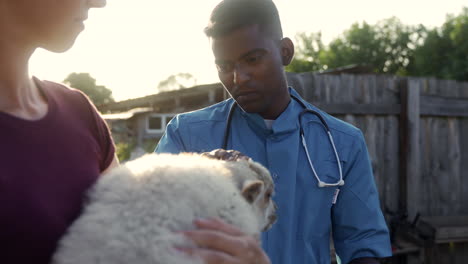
(251, 190)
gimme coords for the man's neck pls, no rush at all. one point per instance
(278, 108)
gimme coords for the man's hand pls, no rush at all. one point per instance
(228, 155)
(221, 243)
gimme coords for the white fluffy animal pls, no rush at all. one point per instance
(135, 211)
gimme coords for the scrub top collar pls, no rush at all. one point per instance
(287, 121)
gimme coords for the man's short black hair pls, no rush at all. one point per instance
(230, 15)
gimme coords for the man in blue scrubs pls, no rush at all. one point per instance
(250, 55)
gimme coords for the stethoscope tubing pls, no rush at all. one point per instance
(320, 183)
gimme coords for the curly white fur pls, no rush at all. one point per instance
(135, 211)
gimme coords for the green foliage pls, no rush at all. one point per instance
(124, 150)
(391, 47)
(385, 47)
(444, 53)
(149, 145)
(358, 46)
(308, 59)
(83, 81)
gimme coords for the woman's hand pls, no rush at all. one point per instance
(221, 243)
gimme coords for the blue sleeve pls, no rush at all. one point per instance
(171, 141)
(359, 228)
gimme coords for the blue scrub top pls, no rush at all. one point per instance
(306, 213)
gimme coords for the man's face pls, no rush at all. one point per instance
(50, 24)
(250, 66)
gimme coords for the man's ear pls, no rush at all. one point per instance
(287, 51)
(251, 190)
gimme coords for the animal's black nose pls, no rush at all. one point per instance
(272, 218)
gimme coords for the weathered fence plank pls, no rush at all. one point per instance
(410, 176)
(464, 163)
(391, 150)
(360, 109)
(443, 106)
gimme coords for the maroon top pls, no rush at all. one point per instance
(46, 166)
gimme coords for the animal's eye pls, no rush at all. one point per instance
(268, 195)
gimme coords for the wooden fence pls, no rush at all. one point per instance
(416, 131)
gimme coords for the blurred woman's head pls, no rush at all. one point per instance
(49, 24)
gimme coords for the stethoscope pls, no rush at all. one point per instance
(305, 111)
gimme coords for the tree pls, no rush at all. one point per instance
(393, 48)
(444, 53)
(385, 47)
(83, 81)
(310, 47)
(177, 81)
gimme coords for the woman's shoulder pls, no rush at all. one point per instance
(65, 97)
(54, 89)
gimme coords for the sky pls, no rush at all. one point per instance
(131, 45)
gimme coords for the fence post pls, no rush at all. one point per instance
(409, 179)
